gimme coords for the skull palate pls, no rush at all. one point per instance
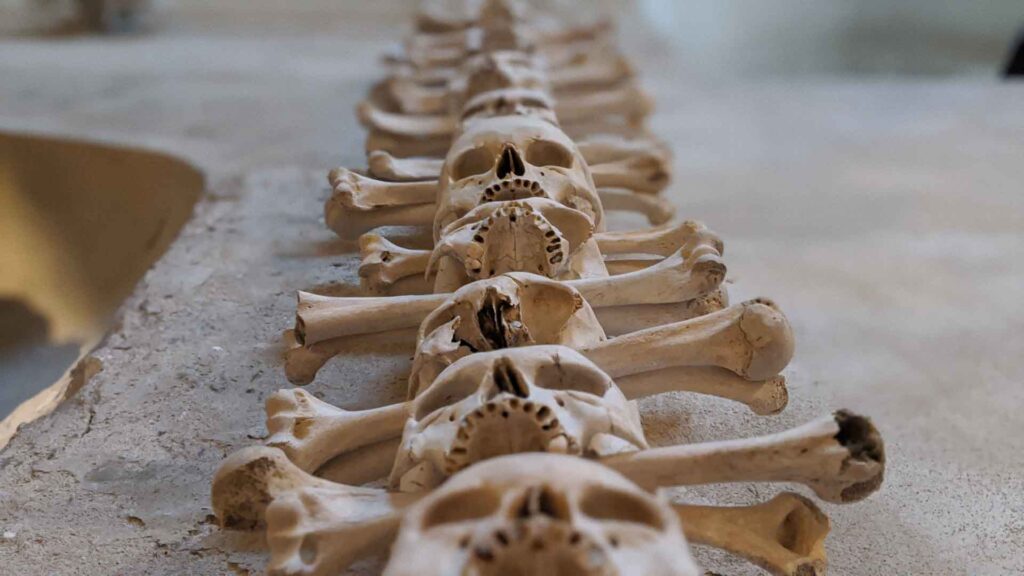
(507, 424)
(514, 238)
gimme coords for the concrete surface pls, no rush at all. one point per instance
(885, 217)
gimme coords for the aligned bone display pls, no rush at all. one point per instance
(512, 139)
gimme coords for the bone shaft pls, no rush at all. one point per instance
(351, 224)
(618, 320)
(658, 241)
(685, 343)
(360, 428)
(780, 457)
(323, 318)
(655, 209)
(671, 280)
(626, 265)
(402, 193)
(763, 397)
(780, 536)
(384, 165)
(417, 126)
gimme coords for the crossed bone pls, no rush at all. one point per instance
(315, 526)
(509, 362)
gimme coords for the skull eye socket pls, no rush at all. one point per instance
(559, 376)
(548, 153)
(463, 506)
(472, 163)
(609, 505)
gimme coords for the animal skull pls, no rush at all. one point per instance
(511, 310)
(540, 514)
(533, 399)
(513, 158)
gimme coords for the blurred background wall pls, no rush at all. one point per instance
(714, 37)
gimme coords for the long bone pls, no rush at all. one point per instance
(314, 526)
(785, 535)
(351, 213)
(751, 339)
(736, 354)
(841, 457)
(628, 102)
(596, 150)
(384, 263)
(674, 279)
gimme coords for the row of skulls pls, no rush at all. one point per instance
(511, 135)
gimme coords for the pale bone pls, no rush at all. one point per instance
(663, 240)
(314, 526)
(618, 320)
(657, 210)
(383, 165)
(763, 397)
(585, 516)
(530, 399)
(513, 158)
(628, 102)
(785, 535)
(645, 174)
(327, 432)
(641, 172)
(350, 223)
(674, 279)
(359, 192)
(752, 339)
(530, 513)
(512, 310)
(596, 151)
(311, 431)
(594, 73)
(534, 235)
(841, 457)
(384, 262)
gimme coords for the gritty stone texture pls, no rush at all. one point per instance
(885, 218)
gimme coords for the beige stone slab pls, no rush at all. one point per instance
(885, 217)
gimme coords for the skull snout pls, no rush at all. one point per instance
(508, 380)
(510, 163)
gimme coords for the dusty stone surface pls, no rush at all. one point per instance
(885, 218)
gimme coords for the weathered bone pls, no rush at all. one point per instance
(657, 210)
(385, 166)
(663, 240)
(360, 192)
(314, 527)
(752, 339)
(677, 278)
(385, 262)
(785, 535)
(674, 279)
(763, 397)
(350, 222)
(311, 431)
(841, 457)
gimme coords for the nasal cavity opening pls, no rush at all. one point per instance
(508, 380)
(510, 164)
